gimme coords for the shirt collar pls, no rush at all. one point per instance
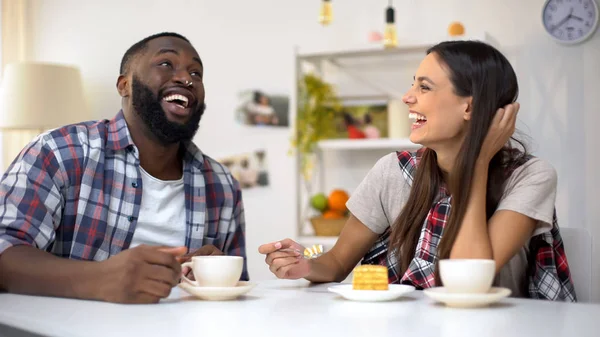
(119, 138)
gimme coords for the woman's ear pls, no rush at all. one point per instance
(468, 108)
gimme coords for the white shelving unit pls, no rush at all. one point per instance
(357, 73)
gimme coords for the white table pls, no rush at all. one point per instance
(293, 308)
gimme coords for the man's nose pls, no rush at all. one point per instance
(182, 77)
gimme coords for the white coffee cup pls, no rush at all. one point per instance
(469, 276)
(215, 271)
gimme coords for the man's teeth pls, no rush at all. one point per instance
(416, 116)
(181, 98)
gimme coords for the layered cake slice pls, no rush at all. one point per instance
(370, 277)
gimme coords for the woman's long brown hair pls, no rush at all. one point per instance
(483, 73)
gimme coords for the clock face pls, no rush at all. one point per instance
(570, 21)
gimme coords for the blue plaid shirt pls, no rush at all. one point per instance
(76, 192)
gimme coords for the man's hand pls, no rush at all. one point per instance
(143, 274)
(202, 251)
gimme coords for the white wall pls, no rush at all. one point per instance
(247, 44)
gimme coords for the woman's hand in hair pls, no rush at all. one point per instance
(502, 128)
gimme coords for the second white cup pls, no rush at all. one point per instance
(467, 276)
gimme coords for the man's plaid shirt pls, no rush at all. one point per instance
(548, 274)
(76, 192)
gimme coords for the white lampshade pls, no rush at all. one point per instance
(41, 96)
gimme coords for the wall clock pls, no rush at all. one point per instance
(570, 21)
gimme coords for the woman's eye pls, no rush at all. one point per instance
(424, 87)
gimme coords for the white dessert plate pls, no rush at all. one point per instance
(395, 291)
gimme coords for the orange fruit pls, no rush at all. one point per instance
(456, 29)
(331, 214)
(337, 200)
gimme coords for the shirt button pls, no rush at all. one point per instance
(134, 184)
(131, 218)
(130, 148)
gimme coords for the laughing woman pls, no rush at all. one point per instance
(467, 194)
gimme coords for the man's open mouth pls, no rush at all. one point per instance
(179, 100)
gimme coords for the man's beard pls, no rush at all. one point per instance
(148, 107)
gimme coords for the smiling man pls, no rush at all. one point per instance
(108, 210)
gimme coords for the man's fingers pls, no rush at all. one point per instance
(155, 288)
(144, 298)
(207, 250)
(175, 251)
(163, 259)
(162, 274)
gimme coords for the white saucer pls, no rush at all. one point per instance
(460, 300)
(395, 291)
(217, 293)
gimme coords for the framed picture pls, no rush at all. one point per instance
(362, 119)
(258, 108)
(249, 169)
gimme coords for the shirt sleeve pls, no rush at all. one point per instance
(30, 198)
(235, 244)
(531, 191)
(378, 199)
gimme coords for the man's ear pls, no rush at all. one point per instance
(468, 108)
(123, 86)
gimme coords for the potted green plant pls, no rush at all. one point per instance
(317, 106)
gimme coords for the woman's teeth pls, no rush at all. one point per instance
(417, 117)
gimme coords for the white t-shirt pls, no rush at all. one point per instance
(530, 190)
(162, 213)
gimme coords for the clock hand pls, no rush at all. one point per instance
(562, 22)
(576, 18)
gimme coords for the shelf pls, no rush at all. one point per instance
(368, 51)
(401, 144)
(327, 241)
(365, 52)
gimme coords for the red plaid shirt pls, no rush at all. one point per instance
(548, 274)
(76, 192)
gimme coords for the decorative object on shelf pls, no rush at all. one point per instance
(326, 13)
(328, 227)
(398, 121)
(317, 106)
(375, 36)
(332, 212)
(260, 109)
(390, 37)
(352, 127)
(570, 22)
(361, 119)
(371, 131)
(456, 29)
(249, 169)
